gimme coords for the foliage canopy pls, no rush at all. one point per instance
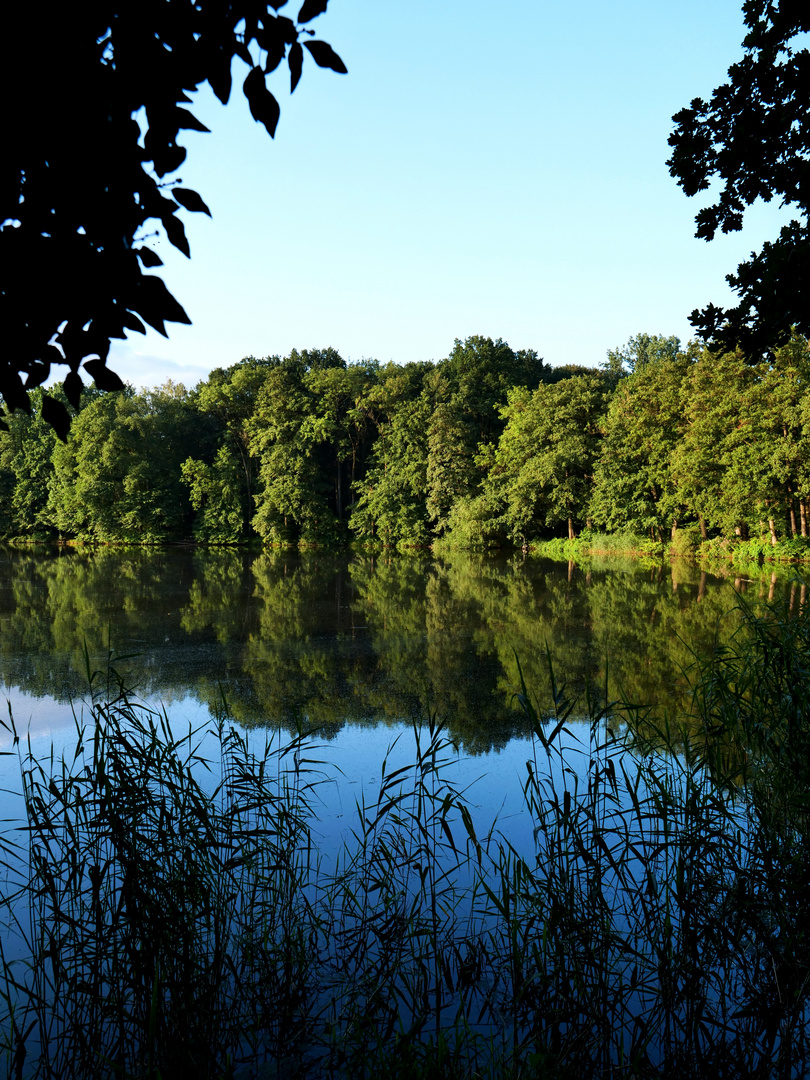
(753, 136)
(87, 146)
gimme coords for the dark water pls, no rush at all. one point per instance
(337, 639)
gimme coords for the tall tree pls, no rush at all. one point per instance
(633, 486)
(81, 178)
(714, 461)
(391, 495)
(26, 472)
(117, 478)
(307, 432)
(754, 138)
(544, 464)
(223, 480)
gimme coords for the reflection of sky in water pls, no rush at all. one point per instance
(347, 768)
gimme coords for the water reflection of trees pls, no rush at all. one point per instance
(322, 639)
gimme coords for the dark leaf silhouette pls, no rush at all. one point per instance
(102, 376)
(325, 56)
(73, 388)
(132, 322)
(190, 200)
(188, 122)
(55, 414)
(155, 304)
(263, 106)
(148, 257)
(177, 234)
(296, 63)
(38, 373)
(311, 8)
(752, 136)
(82, 177)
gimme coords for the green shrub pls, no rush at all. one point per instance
(685, 542)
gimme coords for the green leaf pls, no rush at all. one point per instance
(325, 56)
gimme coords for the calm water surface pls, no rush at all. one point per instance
(358, 646)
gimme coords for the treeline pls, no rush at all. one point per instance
(488, 447)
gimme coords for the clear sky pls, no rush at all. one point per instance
(484, 168)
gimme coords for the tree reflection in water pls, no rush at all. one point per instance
(326, 639)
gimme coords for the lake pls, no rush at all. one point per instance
(362, 649)
(357, 646)
(342, 640)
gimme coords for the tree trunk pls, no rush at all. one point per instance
(571, 534)
(673, 530)
(772, 528)
(803, 517)
(339, 493)
(702, 585)
(704, 532)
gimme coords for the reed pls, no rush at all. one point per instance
(168, 912)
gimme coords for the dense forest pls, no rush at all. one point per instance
(489, 447)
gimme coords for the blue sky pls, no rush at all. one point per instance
(482, 169)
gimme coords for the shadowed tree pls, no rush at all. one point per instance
(753, 137)
(87, 146)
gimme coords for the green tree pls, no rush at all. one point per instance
(634, 488)
(214, 492)
(222, 481)
(470, 387)
(307, 432)
(544, 463)
(118, 477)
(452, 469)
(391, 495)
(81, 179)
(26, 471)
(715, 461)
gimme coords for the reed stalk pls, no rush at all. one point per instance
(167, 911)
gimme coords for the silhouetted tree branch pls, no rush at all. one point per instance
(82, 182)
(754, 136)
